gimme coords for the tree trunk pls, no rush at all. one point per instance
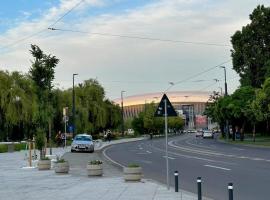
(254, 133)
(242, 131)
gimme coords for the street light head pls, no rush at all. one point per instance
(222, 67)
(75, 74)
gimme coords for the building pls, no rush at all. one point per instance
(190, 105)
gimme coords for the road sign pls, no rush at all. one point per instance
(160, 112)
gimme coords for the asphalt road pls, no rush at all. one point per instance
(248, 168)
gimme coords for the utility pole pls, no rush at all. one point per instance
(226, 94)
(122, 112)
(73, 106)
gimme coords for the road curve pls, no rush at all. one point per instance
(217, 163)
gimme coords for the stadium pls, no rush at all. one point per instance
(190, 105)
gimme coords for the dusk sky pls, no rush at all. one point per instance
(138, 46)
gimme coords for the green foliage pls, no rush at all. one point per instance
(133, 165)
(20, 146)
(60, 160)
(40, 139)
(146, 122)
(95, 162)
(251, 54)
(3, 148)
(45, 158)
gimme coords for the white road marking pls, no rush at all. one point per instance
(148, 151)
(169, 157)
(217, 167)
(236, 148)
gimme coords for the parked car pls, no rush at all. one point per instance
(208, 134)
(82, 142)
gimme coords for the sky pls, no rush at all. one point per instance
(133, 46)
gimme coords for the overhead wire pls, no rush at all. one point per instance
(195, 75)
(42, 30)
(139, 37)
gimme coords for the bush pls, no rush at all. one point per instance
(62, 160)
(133, 165)
(3, 148)
(95, 162)
(45, 158)
(20, 146)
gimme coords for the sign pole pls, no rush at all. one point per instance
(65, 132)
(166, 136)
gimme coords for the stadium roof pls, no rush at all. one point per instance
(175, 96)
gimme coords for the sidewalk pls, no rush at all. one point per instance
(20, 184)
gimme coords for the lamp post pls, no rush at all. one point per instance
(225, 75)
(220, 91)
(73, 104)
(226, 94)
(122, 112)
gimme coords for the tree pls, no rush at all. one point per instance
(251, 48)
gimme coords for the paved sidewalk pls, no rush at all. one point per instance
(19, 183)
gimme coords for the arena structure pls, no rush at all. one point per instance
(190, 105)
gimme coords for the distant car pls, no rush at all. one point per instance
(199, 133)
(208, 134)
(82, 142)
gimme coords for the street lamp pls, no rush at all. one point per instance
(226, 91)
(122, 112)
(226, 94)
(73, 104)
(220, 90)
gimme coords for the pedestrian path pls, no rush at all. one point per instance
(18, 183)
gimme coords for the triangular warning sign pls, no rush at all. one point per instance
(160, 112)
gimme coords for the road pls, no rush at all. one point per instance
(248, 168)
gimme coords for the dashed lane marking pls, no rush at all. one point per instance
(217, 167)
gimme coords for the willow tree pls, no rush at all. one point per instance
(17, 103)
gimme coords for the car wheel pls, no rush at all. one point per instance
(72, 151)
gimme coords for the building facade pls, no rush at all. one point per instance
(190, 105)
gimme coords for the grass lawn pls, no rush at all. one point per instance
(260, 141)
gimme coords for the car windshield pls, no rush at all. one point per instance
(83, 138)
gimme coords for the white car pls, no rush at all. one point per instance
(82, 142)
(208, 134)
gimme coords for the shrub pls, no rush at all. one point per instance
(3, 148)
(95, 162)
(20, 146)
(61, 160)
(45, 158)
(133, 165)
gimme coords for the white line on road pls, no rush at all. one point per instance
(169, 157)
(148, 151)
(217, 167)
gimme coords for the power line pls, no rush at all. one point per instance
(69, 11)
(196, 75)
(139, 37)
(42, 30)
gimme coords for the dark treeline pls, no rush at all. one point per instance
(29, 102)
(248, 108)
